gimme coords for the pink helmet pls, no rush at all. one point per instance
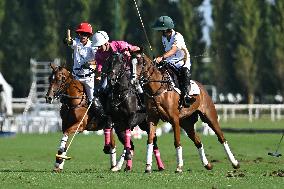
(85, 27)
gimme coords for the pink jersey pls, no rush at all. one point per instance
(116, 46)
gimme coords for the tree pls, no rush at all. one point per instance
(16, 45)
(247, 22)
(2, 13)
(278, 22)
(223, 37)
(267, 81)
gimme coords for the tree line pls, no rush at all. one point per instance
(246, 50)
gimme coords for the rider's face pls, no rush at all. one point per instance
(167, 33)
(83, 37)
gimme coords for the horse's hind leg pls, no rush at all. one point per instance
(210, 117)
(188, 126)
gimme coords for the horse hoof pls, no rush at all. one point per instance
(148, 169)
(209, 166)
(57, 170)
(161, 168)
(115, 169)
(236, 166)
(128, 155)
(179, 169)
(107, 149)
(127, 169)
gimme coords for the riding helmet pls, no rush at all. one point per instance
(163, 23)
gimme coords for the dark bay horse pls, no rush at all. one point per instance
(123, 106)
(162, 102)
(74, 106)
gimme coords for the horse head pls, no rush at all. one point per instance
(117, 67)
(58, 82)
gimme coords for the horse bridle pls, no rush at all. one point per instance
(63, 85)
(143, 80)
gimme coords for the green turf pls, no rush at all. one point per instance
(26, 161)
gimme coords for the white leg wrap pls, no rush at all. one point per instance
(113, 157)
(121, 160)
(63, 142)
(149, 154)
(230, 154)
(60, 166)
(179, 156)
(202, 156)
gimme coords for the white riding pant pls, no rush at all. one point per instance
(89, 84)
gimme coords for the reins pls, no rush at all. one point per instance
(144, 80)
(60, 93)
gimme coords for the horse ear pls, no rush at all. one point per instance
(64, 64)
(53, 66)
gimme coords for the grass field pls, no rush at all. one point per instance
(26, 161)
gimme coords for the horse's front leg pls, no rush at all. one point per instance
(63, 146)
(59, 161)
(149, 151)
(176, 129)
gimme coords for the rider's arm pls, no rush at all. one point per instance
(167, 54)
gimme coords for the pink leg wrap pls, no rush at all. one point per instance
(158, 159)
(127, 138)
(129, 162)
(107, 136)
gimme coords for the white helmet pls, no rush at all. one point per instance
(100, 38)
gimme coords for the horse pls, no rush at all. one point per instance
(162, 102)
(123, 104)
(71, 93)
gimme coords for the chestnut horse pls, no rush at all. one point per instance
(74, 106)
(162, 102)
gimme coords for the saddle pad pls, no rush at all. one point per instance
(193, 91)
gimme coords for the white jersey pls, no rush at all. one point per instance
(181, 58)
(82, 54)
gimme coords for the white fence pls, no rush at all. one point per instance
(44, 120)
(251, 111)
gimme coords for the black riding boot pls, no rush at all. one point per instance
(185, 86)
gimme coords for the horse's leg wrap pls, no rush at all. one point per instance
(202, 156)
(59, 162)
(179, 159)
(129, 162)
(158, 159)
(149, 160)
(107, 147)
(113, 157)
(119, 164)
(230, 154)
(127, 144)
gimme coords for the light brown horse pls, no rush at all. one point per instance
(74, 106)
(162, 102)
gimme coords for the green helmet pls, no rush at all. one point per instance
(163, 23)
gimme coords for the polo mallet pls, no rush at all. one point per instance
(60, 156)
(276, 153)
